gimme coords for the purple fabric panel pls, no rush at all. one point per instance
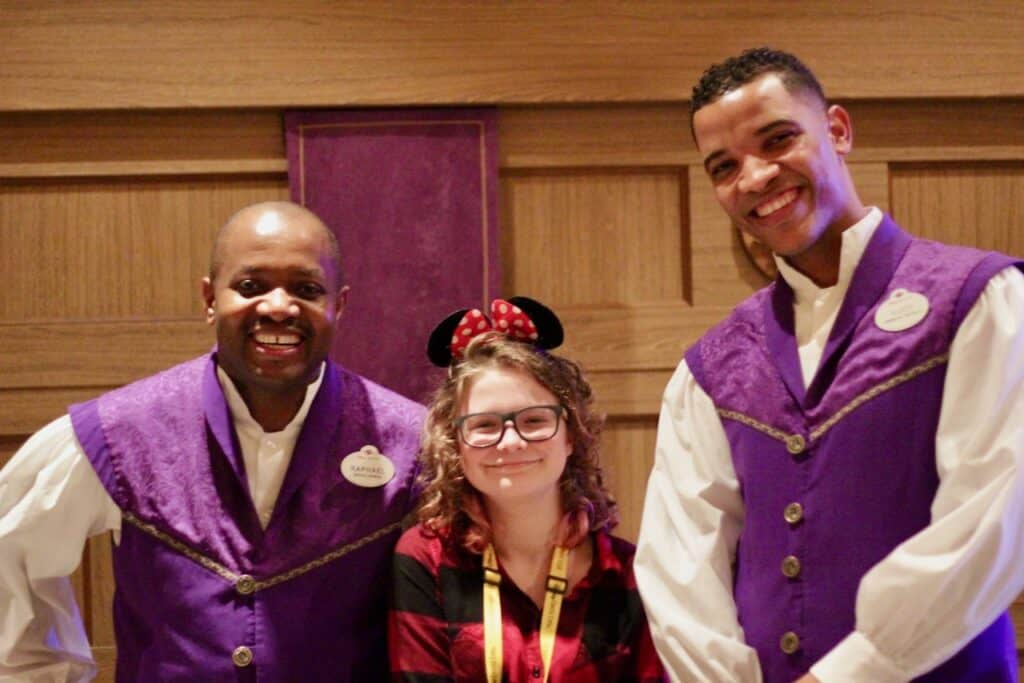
(883, 474)
(157, 439)
(85, 420)
(412, 196)
(326, 625)
(739, 357)
(156, 435)
(979, 279)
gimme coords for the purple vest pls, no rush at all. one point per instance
(203, 592)
(835, 476)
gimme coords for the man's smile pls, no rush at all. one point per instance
(775, 203)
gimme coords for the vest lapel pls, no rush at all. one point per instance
(315, 438)
(869, 282)
(781, 338)
(218, 419)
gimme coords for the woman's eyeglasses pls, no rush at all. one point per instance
(534, 423)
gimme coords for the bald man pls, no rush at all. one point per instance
(254, 494)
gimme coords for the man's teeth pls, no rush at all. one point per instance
(782, 200)
(277, 339)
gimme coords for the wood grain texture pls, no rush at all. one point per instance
(641, 337)
(980, 205)
(23, 411)
(98, 607)
(237, 53)
(937, 129)
(627, 454)
(594, 236)
(82, 354)
(128, 248)
(138, 142)
(629, 393)
(625, 135)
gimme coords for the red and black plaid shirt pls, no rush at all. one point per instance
(436, 623)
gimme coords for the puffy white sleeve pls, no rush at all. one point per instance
(51, 502)
(692, 517)
(938, 589)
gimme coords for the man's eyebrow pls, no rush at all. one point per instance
(301, 272)
(768, 127)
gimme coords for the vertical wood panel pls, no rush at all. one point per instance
(595, 237)
(627, 453)
(113, 249)
(972, 204)
(99, 579)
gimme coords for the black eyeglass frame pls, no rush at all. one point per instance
(511, 416)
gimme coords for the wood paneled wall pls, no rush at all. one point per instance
(130, 131)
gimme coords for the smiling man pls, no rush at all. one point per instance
(837, 491)
(255, 493)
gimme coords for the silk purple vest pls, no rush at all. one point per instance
(204, 593)
(835, 476)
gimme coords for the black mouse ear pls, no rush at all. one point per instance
(549, 328)
(439, 346)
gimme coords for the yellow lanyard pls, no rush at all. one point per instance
(556, 587)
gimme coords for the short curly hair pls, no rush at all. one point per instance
(451, 507)
(749, 65)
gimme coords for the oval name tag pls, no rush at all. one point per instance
(367, 467)
(901, 311)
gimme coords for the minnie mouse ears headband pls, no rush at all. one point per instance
(520, 318)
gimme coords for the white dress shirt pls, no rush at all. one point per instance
(927, 598)
(52, 501)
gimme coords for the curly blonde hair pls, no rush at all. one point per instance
(450, 504)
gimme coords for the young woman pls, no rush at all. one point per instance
(511, 574)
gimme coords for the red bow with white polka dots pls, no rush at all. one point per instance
(505, 317)
(521, 318)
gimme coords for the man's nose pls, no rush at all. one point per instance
(756, 173)
(278, 304)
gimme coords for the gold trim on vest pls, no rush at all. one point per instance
(244, 583)
(796, 444)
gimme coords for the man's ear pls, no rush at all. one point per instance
(840, 129)
(340, 302)
(207, 289)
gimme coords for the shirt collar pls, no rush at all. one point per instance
(855, 241)
(243, 419)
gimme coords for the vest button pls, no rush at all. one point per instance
(245, 585)
(795, 444)
(791, 566)
(242, 656)
(793, 513)
(789, 642)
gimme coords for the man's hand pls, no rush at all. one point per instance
(808, 678)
